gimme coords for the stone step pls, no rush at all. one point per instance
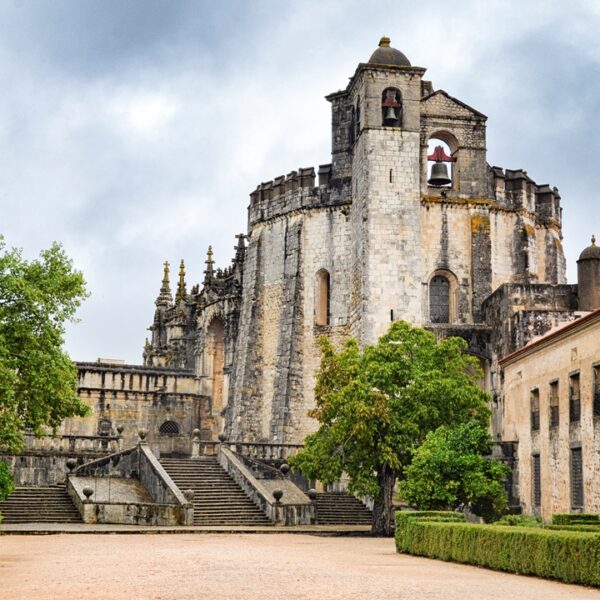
(218, 500)
(341, 509)
(43, 505)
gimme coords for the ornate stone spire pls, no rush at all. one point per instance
(209, 272)
(165, 298)
(181, 291)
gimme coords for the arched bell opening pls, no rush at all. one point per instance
(391, 108)
(442, 152)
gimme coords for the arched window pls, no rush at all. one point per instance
(391, 107)
(322, 297)
(439, 300)
(169, 428)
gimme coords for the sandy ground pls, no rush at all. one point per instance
(236, 566)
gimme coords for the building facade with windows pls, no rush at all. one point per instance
(408, 221)
(552, 410)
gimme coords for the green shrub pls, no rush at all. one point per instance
(519, 521)
(575, 519)
(577, 527)
(444, 516)
(569, 556)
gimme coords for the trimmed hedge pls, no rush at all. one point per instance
(569, 556)
(576, 519)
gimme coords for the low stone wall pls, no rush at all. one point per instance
(169, 506)
(44, 459)
(294, 508)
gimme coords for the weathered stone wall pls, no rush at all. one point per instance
(555, 359)
(381, 232)
(136, 397)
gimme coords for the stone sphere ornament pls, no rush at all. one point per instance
(87, 492)
(278, 495)
(71, 463)
(312, 494)
(222, 437)
(142, 433)
(284, 468)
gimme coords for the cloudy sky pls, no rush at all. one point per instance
(133, 131)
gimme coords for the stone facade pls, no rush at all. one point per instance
(558, 440)
(344, 250)
(347, 249)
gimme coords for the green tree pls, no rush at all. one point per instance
(374, 407)
(452, 468)
(38, 381)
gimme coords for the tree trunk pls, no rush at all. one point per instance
(383, 510)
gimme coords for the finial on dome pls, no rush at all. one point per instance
(385, 42)
(593, 240)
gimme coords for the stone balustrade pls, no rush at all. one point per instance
(72, 444)
(264, 451)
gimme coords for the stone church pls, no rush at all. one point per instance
(408, 221)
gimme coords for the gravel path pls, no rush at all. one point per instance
(255, 566)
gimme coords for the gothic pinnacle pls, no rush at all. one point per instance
(209, 272)
(181, 291)
(165, 297)
(240, 248)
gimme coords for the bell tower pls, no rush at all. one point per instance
(384, 97)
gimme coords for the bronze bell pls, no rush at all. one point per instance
(439, 174)
(390, 116)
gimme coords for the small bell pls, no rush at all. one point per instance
(390, 116)
(439, 175)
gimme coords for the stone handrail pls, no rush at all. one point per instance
(293, 508)
(72, 444)
(265, 450)
(139, 463)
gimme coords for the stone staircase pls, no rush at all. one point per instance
(39, 505)
(218, 500)
(341, 509)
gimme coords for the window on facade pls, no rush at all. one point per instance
(554, 407)
(576, 478)
(535, 410)
(104, 427)
(439, 300)
(391, 108)
(323, 298)
(574, 399)
(536, 483)
(357, 116)
(596, 390)
(169, 428)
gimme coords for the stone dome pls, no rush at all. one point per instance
(386, 55)
(591, 252)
